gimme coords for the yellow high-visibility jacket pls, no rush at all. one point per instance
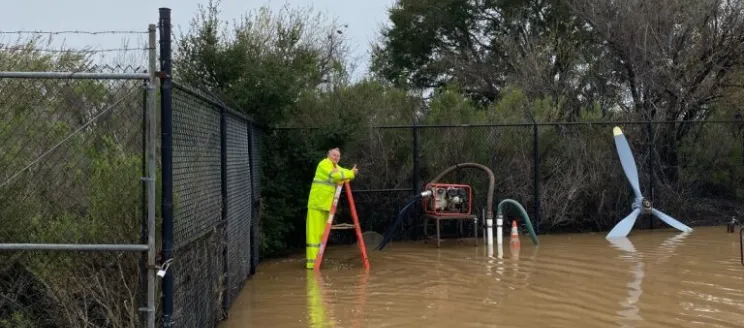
(324, 184)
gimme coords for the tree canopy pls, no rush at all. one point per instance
(672, 59)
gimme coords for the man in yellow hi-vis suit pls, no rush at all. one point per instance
(327, 175)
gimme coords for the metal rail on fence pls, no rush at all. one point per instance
(84, 116)
(149, 82)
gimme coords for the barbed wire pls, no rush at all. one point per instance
(15, 46)
(80, 51)
(131, 49)
(71, 32)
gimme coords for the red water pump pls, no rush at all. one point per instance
(448, 199)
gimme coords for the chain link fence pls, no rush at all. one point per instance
(87, 183)
(74, 181)
(566, 175)
(257, 137)
(211, 205)
(215, 212)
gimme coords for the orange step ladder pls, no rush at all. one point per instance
(330, 226)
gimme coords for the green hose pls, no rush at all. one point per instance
(522, 212)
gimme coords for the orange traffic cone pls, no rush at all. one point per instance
(514, 240)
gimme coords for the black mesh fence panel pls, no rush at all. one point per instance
(213, 253)
(385, 181)
(238, 203)
(505, 150)
(256, 141)
(698, 172)
(196, 167)
(384, 158)
(583, 187)
(377, 210)
(197, 207)
(692, 171)
(198, 270)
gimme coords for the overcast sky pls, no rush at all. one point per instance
(364, 18)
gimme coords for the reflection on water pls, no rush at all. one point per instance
(651, 279)
(662, 253)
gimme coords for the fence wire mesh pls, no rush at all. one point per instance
(71, 161)
(698, 171)
(505, 150)
(239, 200)
(691, 170)
(196, 166)
(69, 289)
(257, 136)
(213, 253)
(197, 206)
(385, 162)
(583, 186)
(71, 171)
(376, 210)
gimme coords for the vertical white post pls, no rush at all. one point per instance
(500, 234)
(485, 228)
(489, 233)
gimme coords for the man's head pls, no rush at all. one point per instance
(334, 155)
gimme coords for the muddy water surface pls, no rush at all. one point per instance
(651, 279)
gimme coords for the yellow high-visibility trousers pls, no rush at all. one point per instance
(315, 226)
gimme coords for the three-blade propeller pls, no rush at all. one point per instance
(640, 205)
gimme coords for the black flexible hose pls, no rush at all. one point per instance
(391, 232)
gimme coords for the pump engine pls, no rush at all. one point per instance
(448, 199)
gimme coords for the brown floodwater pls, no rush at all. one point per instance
(658, 278)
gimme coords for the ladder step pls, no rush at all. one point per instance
(342, 226)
